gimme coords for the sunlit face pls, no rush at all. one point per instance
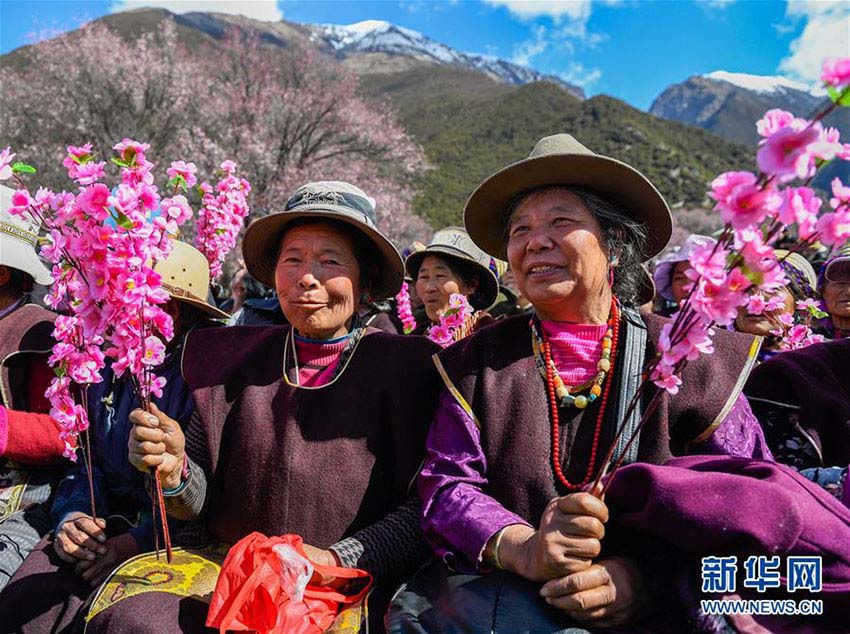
(436, 283)
(678, 281)
(557, 254)
(836, 296)
(317, 280)
(762, 324)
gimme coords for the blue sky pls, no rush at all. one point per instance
(631, 49)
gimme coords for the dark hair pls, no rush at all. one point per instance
(622, 235)
(364, 249)
(467, 272)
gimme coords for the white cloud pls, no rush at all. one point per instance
(264, 10)
(525, 52)
(580, 76)
(826, 34)
(717, 4)
(576, 10)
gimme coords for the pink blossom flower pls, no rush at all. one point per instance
(756, 304)
(184, 170)
(834, 227)
(94, 200)
(741, 201)
(6, 158)
(808, 304)
(228, 167)
(132, 152)
(786, 154)
(441, 335)
(800, 206)
(836, 72)
(774, 303)
(404, 309)
(828, 145)
(154, 351)
(773, 121)
(840, 194)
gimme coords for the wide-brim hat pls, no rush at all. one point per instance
(19, 241)
(837, 269)
(663, 274)
(560, 160)
(799, 263)
(186, 277)
(647, 289)
(333, 200)
(455, 244)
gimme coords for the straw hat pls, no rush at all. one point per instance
(186, 276)
(561, 160)
(800, 264)
(323, 199)
(453, 243)
(18, 241)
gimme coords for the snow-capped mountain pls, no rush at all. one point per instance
(729, 104)
(764, 84)
(374, 36)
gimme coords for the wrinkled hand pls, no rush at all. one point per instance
(80, 538)
(118, 550)
(323, 558)
(569, 537)
(609, 593)
(157, 441)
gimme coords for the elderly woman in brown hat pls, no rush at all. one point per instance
(452, 264)
(315, 428)
(83, 550)
(530, 405)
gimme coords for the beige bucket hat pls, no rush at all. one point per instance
(323, 199)
(186, 277)
(18, 242)
(561, 160)
(455, 244)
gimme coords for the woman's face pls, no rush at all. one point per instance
(762, 324)
(317, 280)
(678, 281)
(436, 283)
(836, 296)
(556, 252)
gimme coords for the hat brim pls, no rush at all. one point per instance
(484, 213)
(18, 255)
(488, 289)
(838, 269)
(262, 239)
(207, 308)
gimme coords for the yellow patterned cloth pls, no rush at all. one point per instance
(191, 573)
(13, 482)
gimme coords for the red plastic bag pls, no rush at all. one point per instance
(264, 587)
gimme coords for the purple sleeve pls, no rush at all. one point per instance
(738, 435)
(458, 518)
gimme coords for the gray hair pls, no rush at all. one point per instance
(622, 236)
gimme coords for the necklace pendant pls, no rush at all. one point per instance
(567, 400)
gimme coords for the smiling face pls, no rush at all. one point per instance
(436, 283)
(557, 254)
(317, 280)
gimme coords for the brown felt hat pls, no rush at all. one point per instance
(560, 160)
(334, 200)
